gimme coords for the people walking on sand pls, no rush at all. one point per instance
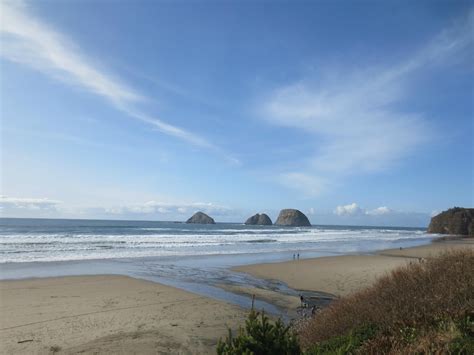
(298, 256)
(294, 256)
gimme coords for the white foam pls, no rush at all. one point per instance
(68, 246)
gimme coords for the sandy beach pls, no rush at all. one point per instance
(121, 315)
(109, 315)
(342, 275)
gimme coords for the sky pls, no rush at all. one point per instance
(354, 112)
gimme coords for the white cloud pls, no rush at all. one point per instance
(353, 116)
(18, 203)
(28, 41)
(380, 211)
(349, 210)
(354, 209)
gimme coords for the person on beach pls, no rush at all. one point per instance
(298, 256)
(302, 300)
(294, 256)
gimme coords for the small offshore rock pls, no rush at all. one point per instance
(200, 218)
(291, 217)
(259, 219)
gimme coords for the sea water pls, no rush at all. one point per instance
(44, 240)
(189, 256)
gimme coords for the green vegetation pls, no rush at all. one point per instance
(423, 308)
(345, 344)
(464, 343)
(260, 336)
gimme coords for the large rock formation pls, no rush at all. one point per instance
(200, 218)
(259, 219)
(457, 220)
(295, 218)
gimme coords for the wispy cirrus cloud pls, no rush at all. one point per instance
(312, 185)
(29, 41)
(354, 117)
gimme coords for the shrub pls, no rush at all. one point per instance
(260, 337)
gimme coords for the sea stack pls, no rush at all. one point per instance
(200, 218)
(293, 218)
(259, 220)
(457, 221)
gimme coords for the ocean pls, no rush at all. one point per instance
(193, 257)
(45, 240)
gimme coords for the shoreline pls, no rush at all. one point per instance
(110, 313)
(323, 279)
(343, 274)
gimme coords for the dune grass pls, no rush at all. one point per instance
(424, 307)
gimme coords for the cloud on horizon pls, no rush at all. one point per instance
(26, 206)
(156, 207)
(353, 209)
(44, 207)
(354, 115)
(353, 214)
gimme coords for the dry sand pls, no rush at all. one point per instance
(109, 315)
(342, 275)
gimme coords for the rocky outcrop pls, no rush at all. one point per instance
(200, 218)
(457, 220)
(259, 220)
(290, 217)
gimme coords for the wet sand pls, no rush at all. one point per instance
(109, 315)
(286, 304)
(342, 275)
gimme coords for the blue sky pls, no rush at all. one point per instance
(355, 112)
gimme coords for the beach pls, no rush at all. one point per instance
(118, 314)
(342, 275)
(109, 315)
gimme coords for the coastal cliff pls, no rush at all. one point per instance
(457, 220)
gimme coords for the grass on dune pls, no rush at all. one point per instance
(424, 307)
